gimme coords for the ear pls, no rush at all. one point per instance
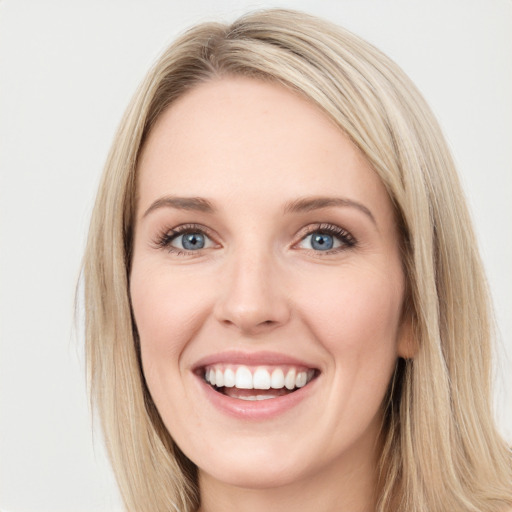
(407, 342)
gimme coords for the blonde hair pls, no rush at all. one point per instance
(441, 450)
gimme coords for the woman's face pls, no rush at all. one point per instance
(266, 255)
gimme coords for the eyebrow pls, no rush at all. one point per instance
(301, 205)
(197, 204)
(308, 204)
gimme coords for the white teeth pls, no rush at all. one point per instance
(300, 381)
(241, 377)
(219, 378)
(261, 379)
(229, 378)
(257, 397)
(277, 379)
(289, 380)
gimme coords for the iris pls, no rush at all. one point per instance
(192, 241)
(322, 241)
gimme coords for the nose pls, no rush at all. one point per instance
(252, 297)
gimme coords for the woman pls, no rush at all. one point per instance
(285, 304)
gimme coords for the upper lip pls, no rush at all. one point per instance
(262, 358)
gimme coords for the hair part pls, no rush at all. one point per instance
(441, 450)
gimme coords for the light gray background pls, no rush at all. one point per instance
(67, 71)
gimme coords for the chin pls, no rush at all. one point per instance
(255, 473)
(257, 462)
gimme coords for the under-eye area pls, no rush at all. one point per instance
(257, 382)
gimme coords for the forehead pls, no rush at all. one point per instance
(235, 138)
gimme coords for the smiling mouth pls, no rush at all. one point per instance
(258, 382)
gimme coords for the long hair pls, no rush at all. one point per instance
(440, 450)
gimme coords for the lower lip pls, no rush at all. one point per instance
(255, 409)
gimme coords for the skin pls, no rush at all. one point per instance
(250, 148)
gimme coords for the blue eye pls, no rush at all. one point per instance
(191, 241)
(327, 237)
(321, 241)
(186, 239)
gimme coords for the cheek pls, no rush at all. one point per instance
(168, 309)
(356, 318)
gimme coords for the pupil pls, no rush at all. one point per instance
(322, 242)
(193, 241)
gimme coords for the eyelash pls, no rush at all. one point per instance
(346, 238)
(165, 239)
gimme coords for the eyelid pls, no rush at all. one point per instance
(346, 238)
(165, 238)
